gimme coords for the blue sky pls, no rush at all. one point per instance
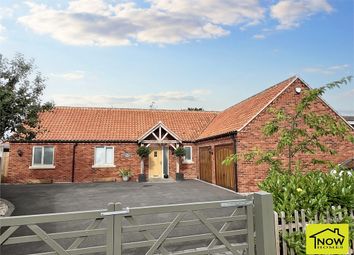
(180, 53)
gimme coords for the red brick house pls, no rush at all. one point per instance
(91, 144)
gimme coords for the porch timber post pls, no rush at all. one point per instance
(264, 221)
(177, 161)
(142, 166)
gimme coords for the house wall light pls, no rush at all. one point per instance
(211, 151)
(19, 152)
(298, 90)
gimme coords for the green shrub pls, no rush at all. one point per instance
(180, 152)
(314, 191)
(143, 151)
(317, 193)
(296, 241)
(125, 172)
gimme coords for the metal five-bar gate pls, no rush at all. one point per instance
(219, 227)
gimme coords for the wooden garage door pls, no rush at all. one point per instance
(224, 175)
(205, 164)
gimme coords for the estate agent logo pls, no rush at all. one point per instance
(327, 239)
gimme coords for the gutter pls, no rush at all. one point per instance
(72, 141)
(80, 141)
(233, 137)
(216, 136)
(73, 163)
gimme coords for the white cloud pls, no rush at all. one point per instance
(138, 100)
(5, 13)
(227, 12)
(2, 33)
(95, 22)
(338, 67)
(259, 37)
(70, 76)
(97, 7)
(290, 13)
(326, 70)
(201, 92)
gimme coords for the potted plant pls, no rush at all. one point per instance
(180, 152)
(125, 174)
(143, 152)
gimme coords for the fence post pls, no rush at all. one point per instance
(110, 231)
(117, 245)
(264, 221)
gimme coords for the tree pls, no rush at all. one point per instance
(20, 98)
(300, 131)
(195, 109)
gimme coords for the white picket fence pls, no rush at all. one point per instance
(299, 224)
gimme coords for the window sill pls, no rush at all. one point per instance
(103, 166)
(42, 167)
(187, 162)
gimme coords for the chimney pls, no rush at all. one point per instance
(336, 230)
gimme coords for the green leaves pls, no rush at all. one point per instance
(20, 99)
(317, 193)
(304, 132)
(230, 159)
(296, 241)
(125, 172)
(180, 152)
(143, 151)
(313, 191)
(313, 94)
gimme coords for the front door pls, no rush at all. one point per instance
(155, 162)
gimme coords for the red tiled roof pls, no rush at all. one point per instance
(112, 124)
(107, 124)
(237, 116)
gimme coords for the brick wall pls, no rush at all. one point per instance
(124, 157)
(189, 169)
(20, 160)
(249, 174)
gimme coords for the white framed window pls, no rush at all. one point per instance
(43, 157)
(188, 158)
(104, 156)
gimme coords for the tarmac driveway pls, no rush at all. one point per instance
(50, 198)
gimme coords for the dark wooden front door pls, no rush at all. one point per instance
(224, 175)
(205, 164)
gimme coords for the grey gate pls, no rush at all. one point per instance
(219, 227)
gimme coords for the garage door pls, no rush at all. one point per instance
(205, 164)
(224, 175)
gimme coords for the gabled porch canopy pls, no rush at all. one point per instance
(160, 134)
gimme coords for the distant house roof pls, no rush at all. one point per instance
(239, 115)
(350, 120)
(112, 124)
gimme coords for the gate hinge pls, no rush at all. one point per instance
(124, 211)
